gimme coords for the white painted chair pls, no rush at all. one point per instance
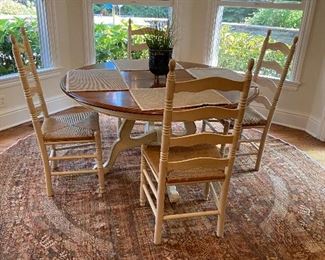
(193, 158)
(132, 46)
(78, 129)
(252, 118)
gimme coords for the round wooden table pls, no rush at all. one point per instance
(121, 104)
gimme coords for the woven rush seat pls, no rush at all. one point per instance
(152, 154)
(77, 126)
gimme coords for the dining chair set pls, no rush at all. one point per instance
(204, 157)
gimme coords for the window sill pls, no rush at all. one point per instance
(12, 80)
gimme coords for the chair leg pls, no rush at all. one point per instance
(53, 153)
(204, 125)
(160, 212)
(206, 190)
(142, 179)
(99, 161)
(222, 208)
(226, 126)
(261, 149)
(47, 169)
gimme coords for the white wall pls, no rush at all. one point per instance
(302, 108)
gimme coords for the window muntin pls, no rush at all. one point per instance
(111, 25)
(30, 14)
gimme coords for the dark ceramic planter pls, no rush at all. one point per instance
(159, 60)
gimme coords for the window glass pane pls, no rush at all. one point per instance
(111, 27)
(13, 15)
(244, 29)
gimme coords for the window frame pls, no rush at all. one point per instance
(89, 46)
(43, 10)
(306, 6)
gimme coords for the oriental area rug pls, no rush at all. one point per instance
(276, 213)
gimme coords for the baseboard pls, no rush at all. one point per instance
(21, 115)
(307, 123)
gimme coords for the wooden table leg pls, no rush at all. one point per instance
(125, 141)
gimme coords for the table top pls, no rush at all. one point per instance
(121, 103)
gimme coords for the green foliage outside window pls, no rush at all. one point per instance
(277, 18)
(9, 7)
(236, 48)
(111, 42)
(7, 27)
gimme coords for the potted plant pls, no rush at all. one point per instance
(160, 44)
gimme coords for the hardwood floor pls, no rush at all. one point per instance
(305, 142)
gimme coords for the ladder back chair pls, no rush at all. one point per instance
(193, 158)
(252, 118)
(78, 129)
(133, 47)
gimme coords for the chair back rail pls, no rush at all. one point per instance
(200, 113)
(217, 83)
(200, 162)
(195, 139)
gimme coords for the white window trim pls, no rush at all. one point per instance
(12, 80)
(308, 7)
(89, 46)
(46, 18)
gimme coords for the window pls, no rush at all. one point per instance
(30, 14)
(111, 25)
(241, 27)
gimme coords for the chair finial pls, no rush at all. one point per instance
(172, 65)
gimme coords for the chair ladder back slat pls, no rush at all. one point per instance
(264, 101)
(222, 84)
(208, 162)
(273, 65)
(143, 31)
(200, 113)
(266, 82)
(139, 47)
(279, 46)
(200, 138)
